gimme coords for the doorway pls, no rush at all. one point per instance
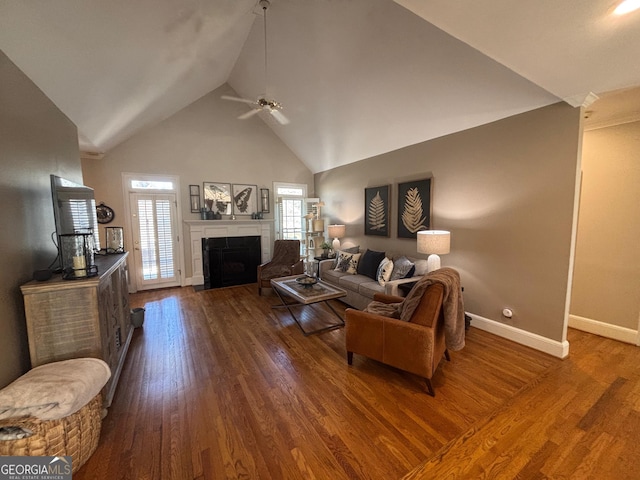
(153, 222)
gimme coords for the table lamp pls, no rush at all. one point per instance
(434, 243)
(336, 232)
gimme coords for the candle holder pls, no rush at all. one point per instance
(115, 240)
(77, 256)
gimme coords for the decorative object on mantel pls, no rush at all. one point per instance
(265, 204)
(377, 211)
(434, 243)
(194, 198)
(414, 207)
(206, 214)
(217, 197)
(78, 261)
(245, 199)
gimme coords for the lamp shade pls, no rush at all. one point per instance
(337, 231)
(434, 241)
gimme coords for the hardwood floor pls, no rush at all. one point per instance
(217, 384)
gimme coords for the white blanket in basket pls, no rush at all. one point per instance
(54, 390)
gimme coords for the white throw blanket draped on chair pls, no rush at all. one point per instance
(54, 390)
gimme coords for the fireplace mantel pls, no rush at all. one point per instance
(199, 229)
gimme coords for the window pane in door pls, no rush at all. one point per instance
(156, 241)
(292, 219)
(165, 238)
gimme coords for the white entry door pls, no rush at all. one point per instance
(155, 236)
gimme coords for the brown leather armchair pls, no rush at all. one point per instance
(285, 261)
(416, 346)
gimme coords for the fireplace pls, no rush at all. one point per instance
(228, 261)
(199, 229)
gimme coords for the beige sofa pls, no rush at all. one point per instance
(361, 288)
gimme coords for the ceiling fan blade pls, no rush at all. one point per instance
(279, 116)
(238, 99)
(249, 114)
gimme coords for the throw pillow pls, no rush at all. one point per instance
(421, 267)
(369, 263)
(384, 271)
(355, 249)
(347, 263)
(401, 268)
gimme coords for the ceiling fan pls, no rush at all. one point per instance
(262, 103)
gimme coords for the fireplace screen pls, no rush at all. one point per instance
(229, 261)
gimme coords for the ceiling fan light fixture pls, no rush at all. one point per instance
(263, 103)
(627, 6)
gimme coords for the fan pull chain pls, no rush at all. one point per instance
(266, 78)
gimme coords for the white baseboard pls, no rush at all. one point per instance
(607, 330)
(538, 342)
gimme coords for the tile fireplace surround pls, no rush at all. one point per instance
(199, 229)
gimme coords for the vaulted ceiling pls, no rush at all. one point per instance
(356, 77)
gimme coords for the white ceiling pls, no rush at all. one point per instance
(357, 78)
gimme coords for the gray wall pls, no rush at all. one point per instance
(505, 191)
(36, 140)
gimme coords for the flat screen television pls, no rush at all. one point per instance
(74, 209)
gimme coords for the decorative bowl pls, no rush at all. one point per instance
(307, 281)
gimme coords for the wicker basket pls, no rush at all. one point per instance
(76, 435)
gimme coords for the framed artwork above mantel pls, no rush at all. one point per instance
(217, 197)
(245, 199)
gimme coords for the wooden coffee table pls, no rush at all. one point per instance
(307, 295)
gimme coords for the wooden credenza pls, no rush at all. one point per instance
(81, 318)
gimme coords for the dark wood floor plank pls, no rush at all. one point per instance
(218, 384)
